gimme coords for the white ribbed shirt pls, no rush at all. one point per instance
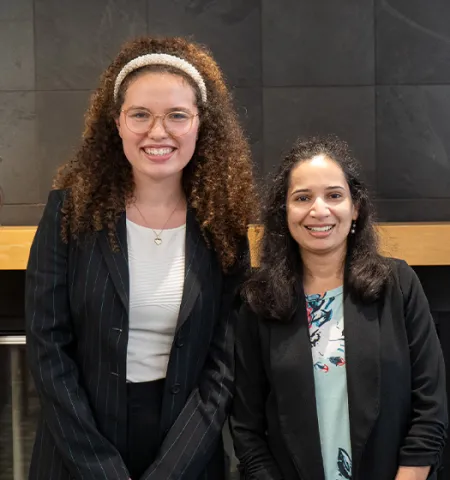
(156, 288)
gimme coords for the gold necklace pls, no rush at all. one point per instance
(158, 239)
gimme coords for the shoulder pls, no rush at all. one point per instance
(52, 216)
(57, 197)
(248, 321)
(402, 270)
(54, 205)
(50, 224)
(241, 266)
(243, 255)
(404, 279)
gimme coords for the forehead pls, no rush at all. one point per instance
(319, 171)
(159, 88)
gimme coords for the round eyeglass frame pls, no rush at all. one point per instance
(162, 117)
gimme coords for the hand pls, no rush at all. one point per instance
(412, 473)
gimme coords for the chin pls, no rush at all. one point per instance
(160, 172)
(317, 247)
(319, 250)
(326, 249)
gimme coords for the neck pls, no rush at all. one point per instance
(158, 193)
(323, 272)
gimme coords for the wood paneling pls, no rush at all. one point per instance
(417, 243)
(15, 243)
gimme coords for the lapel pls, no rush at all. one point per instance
(117, 262)
(362, 351)
(293, 378)
(197, 263)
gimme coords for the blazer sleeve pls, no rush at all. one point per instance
(248, 420)
(425, 440)
(50, 338)
(193, 437)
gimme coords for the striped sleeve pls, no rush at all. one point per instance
(65, 409)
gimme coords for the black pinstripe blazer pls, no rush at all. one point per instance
(77, 333)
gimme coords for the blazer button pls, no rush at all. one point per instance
(179, 341)
(175, 388)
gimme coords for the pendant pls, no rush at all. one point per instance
(158, 240)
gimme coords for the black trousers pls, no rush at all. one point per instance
(144, 411)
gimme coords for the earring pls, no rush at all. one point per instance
(353, 230)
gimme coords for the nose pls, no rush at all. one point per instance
(319, 208)
(157, 129)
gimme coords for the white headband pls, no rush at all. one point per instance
(161, 59)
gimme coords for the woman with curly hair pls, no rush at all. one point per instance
(339, 371)
(133, 273)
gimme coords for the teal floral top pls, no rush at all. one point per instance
(326, 330)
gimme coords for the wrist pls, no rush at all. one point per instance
(412, 473)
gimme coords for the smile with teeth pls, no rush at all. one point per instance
(158, 151)
(320, 229)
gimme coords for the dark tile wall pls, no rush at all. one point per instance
(413, 42)
(376, 72)
(318, 43)
(230, 28)
(412, 145)
(76, 40)
(346, 111)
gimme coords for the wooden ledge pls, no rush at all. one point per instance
(15, 243)
(417, 243)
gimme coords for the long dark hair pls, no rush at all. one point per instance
(273, 289)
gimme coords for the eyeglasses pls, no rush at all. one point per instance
(140, 120)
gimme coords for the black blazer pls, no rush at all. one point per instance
(395, 382)
(77, 332)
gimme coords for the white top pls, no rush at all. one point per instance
(156, 288)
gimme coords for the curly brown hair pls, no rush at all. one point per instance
(218, 181)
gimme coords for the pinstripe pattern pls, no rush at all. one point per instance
(77, 333)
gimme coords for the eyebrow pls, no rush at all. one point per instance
(307, 190)
(172, 109)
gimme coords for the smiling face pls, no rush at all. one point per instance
(157, 153)
(319, 206)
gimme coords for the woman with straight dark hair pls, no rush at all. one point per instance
(339, 371)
